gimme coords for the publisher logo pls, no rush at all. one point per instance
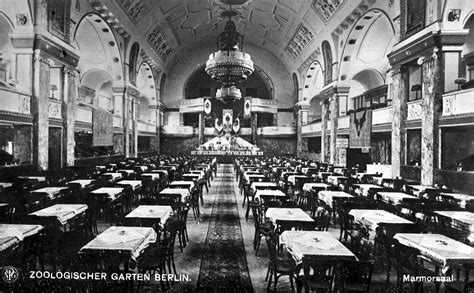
(10, 274)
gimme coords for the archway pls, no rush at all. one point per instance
(313, 83)
(100, 70)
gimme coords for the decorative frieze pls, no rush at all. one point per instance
(326, 8)
(158, 41)
(302, 37)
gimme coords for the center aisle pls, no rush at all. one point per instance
(223, 262)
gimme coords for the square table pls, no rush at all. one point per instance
(293, 178)
(126, 171)
(142, 168)
(180, 193)
(135, 184)
(165, 172)
(112, 192)
(254, 177)
(419, 189)
(192, 175)
(154, 176)
(186, 184)
(334, 179)
(265, 194)
(462, 198)
(151, 212)
(442, 249)
(200, 172)
(6, 184)
(395, 198)
(329, 196)
(84, 183)
(372, 218)
(287, 214)
(461, 219)
(131, 240)
(63, 212)
(262, 185)
(52, 192)
(113, 176)
(378, 180)
(314, 243)
(34, 178)
(309, 186)
(364, 189)
(11, 234)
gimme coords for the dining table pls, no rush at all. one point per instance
(134, 184)
(63, 212)
(320, 244)
(160, 213)
(444, 251)
(179, 193)
(263, 185)
(112, 193)
(122, 240)
(330, 196)
(52, 192)
(84, 183)
(268, 194)
(396, 198)
(373, 218)
(463, 220)
(287, 215)
(311, 186)
(12, 234)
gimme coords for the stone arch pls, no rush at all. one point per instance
(7, 54)
(313, 84)
(146, 82)
(96, 89)
(98, 48)
(367, 45)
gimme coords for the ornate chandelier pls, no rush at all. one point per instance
(229, 65)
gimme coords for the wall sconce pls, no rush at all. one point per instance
(53, 89)
(416, 88)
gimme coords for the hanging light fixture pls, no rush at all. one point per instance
(229, 65)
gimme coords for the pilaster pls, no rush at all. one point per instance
(398, 92)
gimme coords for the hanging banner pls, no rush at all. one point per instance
(360, 128)
(207, 106)
(247, 107)
(236, 126)
(102, 129)
(227, 118)
(218, 125)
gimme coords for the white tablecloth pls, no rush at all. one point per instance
(63, 212)
(116, 238)
(152, 211)
(287, 214)
(133, 183)
(268, 193)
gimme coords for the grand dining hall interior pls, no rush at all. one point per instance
(236, 146)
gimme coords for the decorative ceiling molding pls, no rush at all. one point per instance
(351, 18)
(109, 17)
(326, 9)
(158, 41)
(302, 37)
(135, 10)
(313, 57)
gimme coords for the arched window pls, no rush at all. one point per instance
(327, 62)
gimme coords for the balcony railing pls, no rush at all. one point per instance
(15, 102)
(457, 103)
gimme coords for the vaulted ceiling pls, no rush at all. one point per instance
(174, 26)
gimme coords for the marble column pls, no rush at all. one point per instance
(324, 130)
(201, 128)
(302, 119)
(119, 138)
(68, 114)
(134, 140)
(254, 128)
(126, 124)
(40, 111)
(333, 108)
(430, 109)
(399, 94)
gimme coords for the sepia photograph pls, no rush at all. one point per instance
(233, 146)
